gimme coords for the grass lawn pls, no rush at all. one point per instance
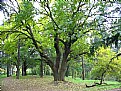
(1, 77)
(35, 83)
(108, 86)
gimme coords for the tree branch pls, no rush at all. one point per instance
(48, 60)
(50, 14)
(80, 5)
(62, 41)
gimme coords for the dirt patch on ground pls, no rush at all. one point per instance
(37, 84)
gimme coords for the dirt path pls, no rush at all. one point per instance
(36, 84)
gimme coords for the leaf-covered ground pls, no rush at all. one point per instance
(37, 84)
(33, 83)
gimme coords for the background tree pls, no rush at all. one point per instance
(105, 63)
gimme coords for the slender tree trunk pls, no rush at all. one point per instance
(12, 70)
(72, 73)
(8, 69)
(102, 77)
(83, 70)
(24, 68)
(41, 68)
(67, 71)
(18, 61)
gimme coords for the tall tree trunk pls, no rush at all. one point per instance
(67, 71)
(72, 73)
(18, 61)
(83, 69)
(8, 69)
(12, 70)
(41, 68)
(24, 68)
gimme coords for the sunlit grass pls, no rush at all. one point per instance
(3, 76)
(107, 86)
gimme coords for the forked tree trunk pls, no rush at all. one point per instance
(59, 75)
(62, 72)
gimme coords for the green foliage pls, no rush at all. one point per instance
(68, 20)
(104, 63)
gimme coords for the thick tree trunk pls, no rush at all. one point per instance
(41, 68)
(60, 76)
(62, 70)
(55, 75)
(18, 61)
(24, 68)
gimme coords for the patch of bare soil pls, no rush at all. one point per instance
(37, 84)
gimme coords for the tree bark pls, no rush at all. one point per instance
(72, 73)
(102, 77)
(12, 70)
(62, 71)
(41, 68)
(24, 68)
(8, 69)
(67, 71)
(18, 61)
(63, 67)
(55, 74)
(83, 70)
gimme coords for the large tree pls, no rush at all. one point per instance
(56, 29)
